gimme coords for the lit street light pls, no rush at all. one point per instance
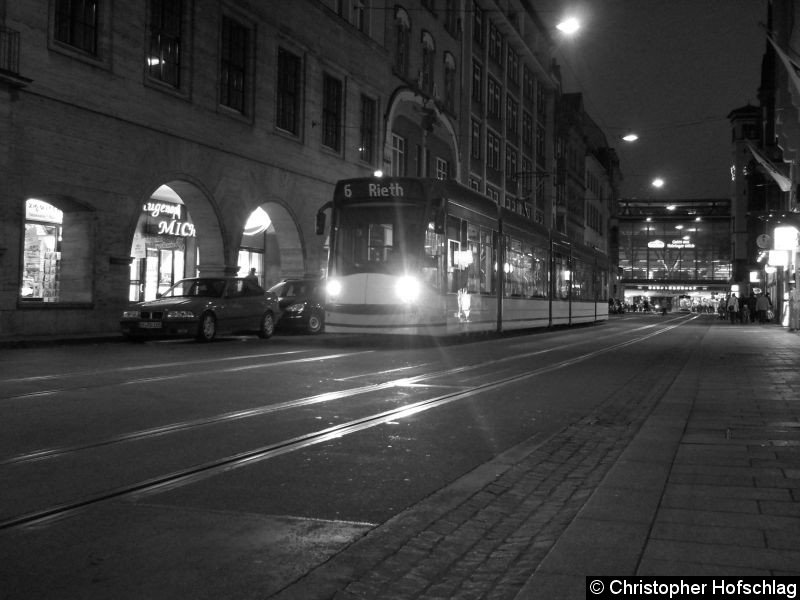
(569, 26)
(658, 182)
(631, 137)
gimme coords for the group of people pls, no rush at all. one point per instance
(753, 309)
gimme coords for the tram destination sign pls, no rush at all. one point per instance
(367, 190)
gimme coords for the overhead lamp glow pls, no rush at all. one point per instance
(569, 25)
(258, 222)
(631, 137)
(658, 182)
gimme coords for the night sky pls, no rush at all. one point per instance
(671, 70)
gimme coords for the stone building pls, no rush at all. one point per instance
(141, 142)
(765, 168)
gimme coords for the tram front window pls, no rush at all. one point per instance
(385, 239)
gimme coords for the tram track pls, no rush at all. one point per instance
(54, 452)
(189, 475)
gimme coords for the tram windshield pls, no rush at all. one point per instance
(378, 238)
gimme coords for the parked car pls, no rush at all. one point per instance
(202, 307)
(302, 304)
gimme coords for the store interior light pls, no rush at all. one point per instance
(778, 258)
(785, 237)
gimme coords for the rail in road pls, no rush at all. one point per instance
(424, 388)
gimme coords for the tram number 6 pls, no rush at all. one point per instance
(348, 192)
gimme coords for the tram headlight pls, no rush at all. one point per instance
(407, 289)
(333, 288)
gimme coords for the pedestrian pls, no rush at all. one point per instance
(252, 277)
(733, 308)
(763, 304)
(751, 305)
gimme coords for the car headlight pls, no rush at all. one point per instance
(407, 289)
(297, 307)
(333, 288)
(179, 314)
(130, 314)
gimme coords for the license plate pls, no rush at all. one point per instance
(150, 325)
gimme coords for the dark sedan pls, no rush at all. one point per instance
(302, 304)
(202, 307)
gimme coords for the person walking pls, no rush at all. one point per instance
(763, 304)
(751, 305)
(733, 308)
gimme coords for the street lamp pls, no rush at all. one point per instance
(630, 137)
(569, 25)
(657, 182)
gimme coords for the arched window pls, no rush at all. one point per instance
(428, 55)
(449, 82)
(58, 253)
(402, 44)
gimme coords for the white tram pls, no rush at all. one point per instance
(431, 257)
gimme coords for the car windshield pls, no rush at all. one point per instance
(294, 289)
(208, 288)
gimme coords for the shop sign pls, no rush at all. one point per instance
(680, 244)
(37, 210)
(174, 226)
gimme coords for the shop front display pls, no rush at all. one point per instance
(164, 250)
(42, 252)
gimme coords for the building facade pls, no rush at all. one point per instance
(675, 254)
(146, 141)
(765, 168)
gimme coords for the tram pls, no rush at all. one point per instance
(432, 257)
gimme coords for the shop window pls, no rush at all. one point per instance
(57, 256)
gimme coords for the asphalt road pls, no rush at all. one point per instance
(164, 469)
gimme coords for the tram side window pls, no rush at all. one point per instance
(57, 257)
(581, 280)
(561, 276)
(521, 275)
(538, 272)
(471, 257)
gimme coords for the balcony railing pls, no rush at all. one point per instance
(9, 50)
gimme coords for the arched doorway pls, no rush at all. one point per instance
(177, 235)
(272, 245)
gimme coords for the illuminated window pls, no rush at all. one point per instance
(57, 257)
(164, 57)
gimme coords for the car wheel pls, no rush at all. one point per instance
(208, 328)
(267, 326)
(315, 323)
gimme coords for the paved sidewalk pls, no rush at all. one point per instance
(697, 476)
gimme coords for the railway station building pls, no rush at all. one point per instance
(675, 254)
(141, 142)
